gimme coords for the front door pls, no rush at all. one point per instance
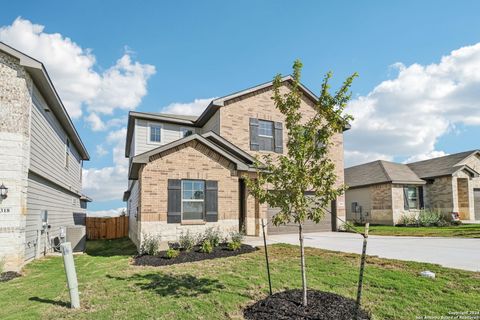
(241, 204)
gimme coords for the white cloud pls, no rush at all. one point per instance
(107, 213)
(72, 69)
(194, 108)
(96, 124)
(100, 150)
(405, 116)
(426, 156)
(109, 183)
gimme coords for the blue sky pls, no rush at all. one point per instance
(172, 53)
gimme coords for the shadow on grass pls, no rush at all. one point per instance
(173, 285)
(110, 248)
(50, 301)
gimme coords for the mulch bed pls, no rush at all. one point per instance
(9, 275)
(195, 255)
(288, 305)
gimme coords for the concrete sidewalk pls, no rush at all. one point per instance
(456, 253)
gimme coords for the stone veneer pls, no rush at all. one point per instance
(15, 107)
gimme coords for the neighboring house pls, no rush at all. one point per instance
(41, 156)
(384, 191)
(187, 173)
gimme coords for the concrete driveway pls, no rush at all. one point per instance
(449, 252)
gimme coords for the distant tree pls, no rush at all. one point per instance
(283, 181)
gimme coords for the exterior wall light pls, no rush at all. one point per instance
(3, 191)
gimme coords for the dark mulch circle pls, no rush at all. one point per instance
(288, 305)
(195, 255)
(9, 275)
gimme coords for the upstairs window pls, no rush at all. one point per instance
(265, 129)
(155, 133)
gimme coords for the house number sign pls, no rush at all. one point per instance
(5, 210)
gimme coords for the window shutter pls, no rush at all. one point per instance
(278, 137)
(211, 200)
(405, 198)
(174, 205)
(254, 134)
(420, 197)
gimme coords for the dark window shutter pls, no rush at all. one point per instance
(174, 210)
(405, 198)
(278, 137)
(420, 197)
(211, 200)
(254, 134)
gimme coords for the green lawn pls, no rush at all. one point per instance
(461, 231)
(111, 288)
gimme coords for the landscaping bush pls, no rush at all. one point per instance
(172, 253)
(408, 219)
(187, 241)
(236, 236)
(429, 217)
(234, 245)
(150, 244)
(212, 235)
(207, 247)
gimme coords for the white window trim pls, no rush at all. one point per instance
(193, 200)
(157, 124)
(180, 133)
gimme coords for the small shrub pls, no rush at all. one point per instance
(172, 253)
(407, 219)
(429, 217)
(206, 247)
(187, 241)
(212, 235)
(2, 265)
(236, 236)
(150, 245)
(456, 222)
(347, 226)
(442, 223)
(234, 245)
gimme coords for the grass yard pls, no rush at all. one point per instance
(461, 231)
(111, 288)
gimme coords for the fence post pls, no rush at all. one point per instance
(362, 266)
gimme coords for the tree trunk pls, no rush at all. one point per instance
(302, 257)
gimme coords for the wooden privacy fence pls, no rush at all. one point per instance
(107, 228)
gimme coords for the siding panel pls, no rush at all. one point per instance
(60, 204)
(48, 145)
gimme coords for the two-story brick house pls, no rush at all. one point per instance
(41, 158)
(187, 172)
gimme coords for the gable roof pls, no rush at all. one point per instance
(44, 84)
(241, 159)
(442, 166)
(380, 171)
(213, 106)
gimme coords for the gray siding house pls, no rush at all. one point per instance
(41, 157)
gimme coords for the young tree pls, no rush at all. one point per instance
(284, 180)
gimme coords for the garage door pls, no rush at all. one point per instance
(476, 202)
(309, 226)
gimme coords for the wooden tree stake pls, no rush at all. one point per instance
(266, 257)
